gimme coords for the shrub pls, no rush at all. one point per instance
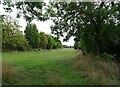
(108, 56)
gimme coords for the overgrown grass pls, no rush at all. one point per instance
(57, 67)
(99, 72)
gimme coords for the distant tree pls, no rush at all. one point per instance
(57, 43)
(65, 46)
(12, 37)
(43, 40)
(51, 42)
(32, 35)
(18, 42)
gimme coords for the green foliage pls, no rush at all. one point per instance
(51, 42)
(95, 25)
(28, 10)
(21, 43)
(77, 45)
(43, 40)
(57, 44)
(12, 38)
(31, 34)
(108, 56)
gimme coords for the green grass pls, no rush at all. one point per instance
(41, 68)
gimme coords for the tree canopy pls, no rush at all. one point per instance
(26, 9)
(31, 34)
(95, 25)
(12, 37)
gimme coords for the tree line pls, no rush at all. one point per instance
(14, 40)
(95, 25)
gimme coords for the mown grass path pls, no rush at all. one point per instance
(41, 68)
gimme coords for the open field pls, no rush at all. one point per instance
(56, 67)
(40, 68)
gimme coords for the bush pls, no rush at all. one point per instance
(108, 56)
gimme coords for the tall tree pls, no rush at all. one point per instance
(43, 40)
(32, 35)
(89, 22)
(57, 43)
(51, 42)
(12, 37)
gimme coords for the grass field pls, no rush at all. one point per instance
(55, 67)
(40, 68)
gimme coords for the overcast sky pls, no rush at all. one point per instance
(42, 26)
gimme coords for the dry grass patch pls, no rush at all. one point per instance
(8, 73)
(82, 62)
(97, 71)
(54, 78)
(109, 68)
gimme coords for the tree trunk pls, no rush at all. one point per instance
(97, 45)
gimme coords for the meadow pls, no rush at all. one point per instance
(56, 67)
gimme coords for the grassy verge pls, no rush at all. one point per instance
(99, 72)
